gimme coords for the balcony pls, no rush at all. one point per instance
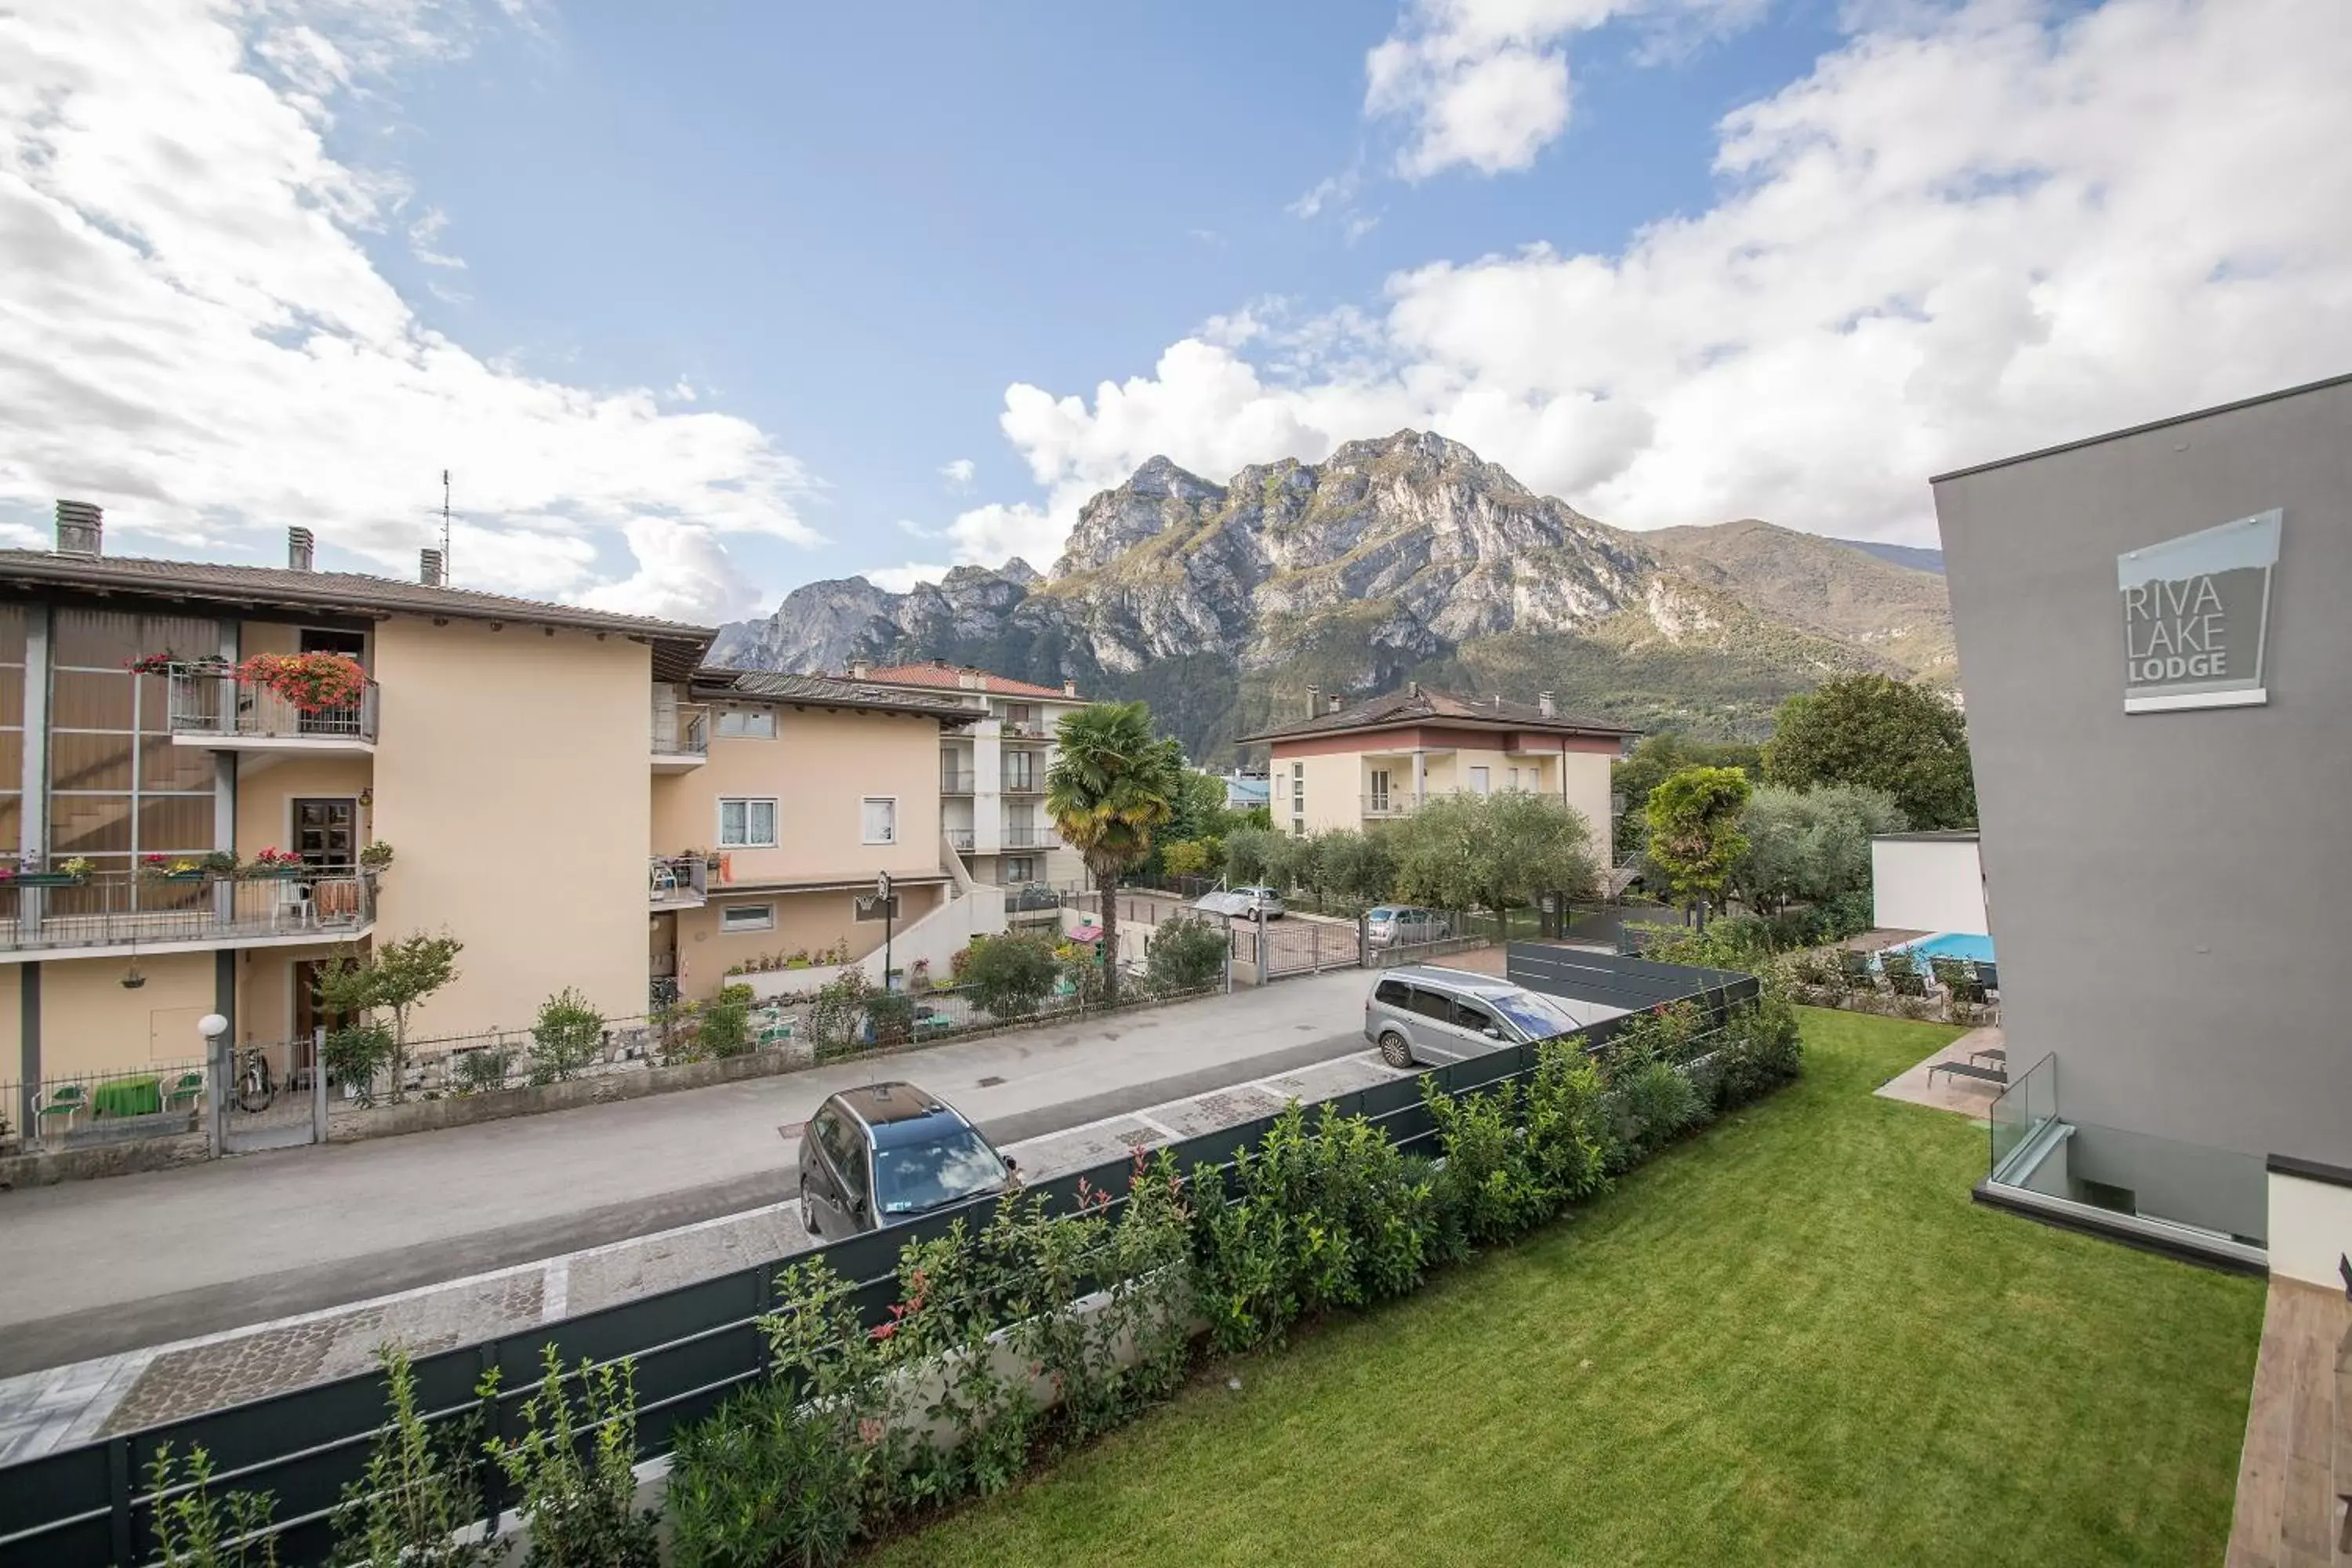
(681, 738)
(955, 783)
(220, 711)
(1024, 784)
(1395, 803)
(113, 911)
(677, 881)
(959, 839)
(1032, 838)
(1029, 732)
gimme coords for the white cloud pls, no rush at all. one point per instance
(1969, 232)
(425, 233)
(1485, 83)
(193, 334)
(898, 579)
(958, 473)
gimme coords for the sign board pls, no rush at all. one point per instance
(2197, 614)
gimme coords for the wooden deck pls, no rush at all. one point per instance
(2298, 1462)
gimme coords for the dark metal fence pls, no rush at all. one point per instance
(692, 1347)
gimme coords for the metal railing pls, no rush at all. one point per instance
(953, 782)
(1024, 784)
(1394, 803)
(684, 732)
(959, 839)
(121, 908)
(221, 702)
(1032, 838)
(678, 882)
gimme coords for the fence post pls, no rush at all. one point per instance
(1228, 976)
(319, 1084)
(1257, 915)
(217, 1100)
(118, 1491)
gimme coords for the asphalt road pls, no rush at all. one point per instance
(90, 1269)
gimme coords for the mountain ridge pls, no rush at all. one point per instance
(1401, 557)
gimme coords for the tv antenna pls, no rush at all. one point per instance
(445, 525)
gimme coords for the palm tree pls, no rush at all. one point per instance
(1110, 784)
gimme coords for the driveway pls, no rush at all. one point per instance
(97, 1266)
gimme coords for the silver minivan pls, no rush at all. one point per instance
(1394, 925)
(1420, 1012)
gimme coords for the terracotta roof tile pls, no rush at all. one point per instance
(949, 677)
(1413, 706)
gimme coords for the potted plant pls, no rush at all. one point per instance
(313, 682)
(162, 869)
(71, 874)
(272, 864)
(170, 663)
(375, 856)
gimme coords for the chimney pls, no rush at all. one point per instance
(1314, 700)
(1412, 688)
(428, 568)
(1550, 709)
(1334, 701)
(299, 545)
(859, 669)
(1069, 688)
(79, 526)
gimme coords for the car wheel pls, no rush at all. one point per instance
(808, 1209)
(1395, 1049)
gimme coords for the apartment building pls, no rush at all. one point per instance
(778, 803)
(1342, 766)
(992, 773)
(497, 745)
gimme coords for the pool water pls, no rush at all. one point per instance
(1959, 944)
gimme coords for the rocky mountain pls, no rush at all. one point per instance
(1396, 559)
(1912, 555)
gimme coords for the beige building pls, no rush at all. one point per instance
(566, 791)
(1340, 766)
(992, 772)
(770, 838)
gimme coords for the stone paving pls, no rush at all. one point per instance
(64, 1405)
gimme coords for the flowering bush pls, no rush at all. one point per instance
(313, 682)
(273, 862)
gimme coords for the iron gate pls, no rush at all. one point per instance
(270, 1096)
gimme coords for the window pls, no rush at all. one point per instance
(869, 907)
(747, 824)
(1020, 717)
(747, 723)
(1020, 769)
(747, 917)
(1393, 993)
(1471, 1016)
(1433, 1005)
(1380, 789)
(1020, 868)
(1513, 776)
(880, 819)
(1481, 781)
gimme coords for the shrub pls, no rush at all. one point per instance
(726, 1025)
(566, 1037)
(837, 1016)
(766, 1481)
(480, 1072)
(573, 1469)
(418, 1491)
(1010, 976)
(1654, 1103)
(892, 1016)
(355, 1054)
(195, 1530)
(1187, 954)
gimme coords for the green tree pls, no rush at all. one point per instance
(1191, 856)
(1492, 852)
(564, 1038)
(1294, 860)
(1656, 757)
(396, 978)
(1250, 854)
(1882, 734)
(1187, 954)
(1197, 810)
(1695, 838)
(1111, 787)
(1010, 976)
(1359, 869)
(1810, 844)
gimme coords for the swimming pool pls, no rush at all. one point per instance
(1959, 944)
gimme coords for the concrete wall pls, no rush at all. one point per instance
(1927, 884)
(805, 922)
(89, 1024)
(2310, 1227)
(2165, 886)
(511, 780)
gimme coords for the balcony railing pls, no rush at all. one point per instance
(124, 909)
(959, 839)
(220, 703)
(1031, 839)
(1024, 784)
(955, 783)
(1394, 803)
(678, 882)
(682, 731)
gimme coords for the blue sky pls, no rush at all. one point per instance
(699, 301)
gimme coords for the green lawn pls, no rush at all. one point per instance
(1791, 1340)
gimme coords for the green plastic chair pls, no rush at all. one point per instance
(68, 1100)
(188, 1086)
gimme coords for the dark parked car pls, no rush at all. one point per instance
(889, 1153)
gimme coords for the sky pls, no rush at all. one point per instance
(698, 303)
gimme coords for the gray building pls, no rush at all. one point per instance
(2158, 655)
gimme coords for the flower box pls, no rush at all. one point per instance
(43, 879)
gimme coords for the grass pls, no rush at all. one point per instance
(1791, 1340)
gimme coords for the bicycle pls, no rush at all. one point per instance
(255, 1087)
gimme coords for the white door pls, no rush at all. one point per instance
(1480, 781)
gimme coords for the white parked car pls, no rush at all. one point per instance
(1241, 902)
(1392, 925)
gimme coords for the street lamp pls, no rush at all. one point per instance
(882, 891)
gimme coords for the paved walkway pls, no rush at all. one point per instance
(91, 1268)
(2296, 1465)
(1969, 1095)
(64, 1405)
